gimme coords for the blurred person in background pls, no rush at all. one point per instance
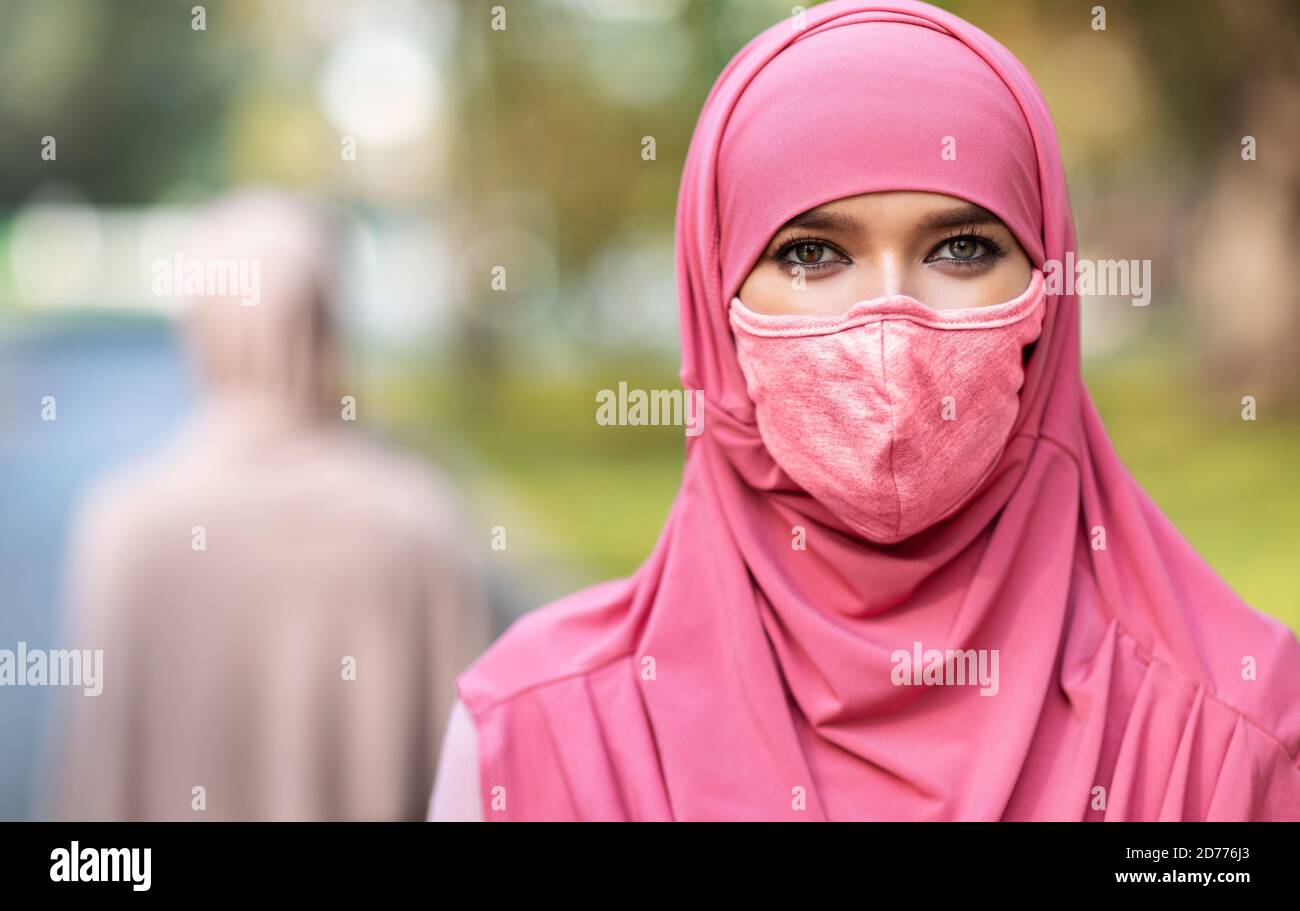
(282, 605)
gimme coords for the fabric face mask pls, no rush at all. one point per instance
(891, 414)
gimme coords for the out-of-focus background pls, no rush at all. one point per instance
(457, 147)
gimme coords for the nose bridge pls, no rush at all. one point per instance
(886, 274)
(893, 270)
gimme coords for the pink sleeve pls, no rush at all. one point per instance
(456, 788)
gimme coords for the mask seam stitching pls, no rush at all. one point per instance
(751, 323)
(893, 475)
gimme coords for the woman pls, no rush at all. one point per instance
(906, 576)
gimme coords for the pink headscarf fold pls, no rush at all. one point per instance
(736, 677)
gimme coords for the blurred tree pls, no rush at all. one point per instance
(133, 96)
(1246, 305)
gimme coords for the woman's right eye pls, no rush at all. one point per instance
(808, 254)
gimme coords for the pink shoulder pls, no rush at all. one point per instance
(567, 637)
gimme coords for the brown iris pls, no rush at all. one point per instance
(814, 249)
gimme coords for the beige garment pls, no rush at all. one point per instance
(456, 796)
(235, 578)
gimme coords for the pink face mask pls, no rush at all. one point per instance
(891, 414)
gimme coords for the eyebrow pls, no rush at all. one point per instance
(965, 215)
(831, 220)
(823, 220)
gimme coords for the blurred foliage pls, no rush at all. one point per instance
(600, 493)
(135, 99)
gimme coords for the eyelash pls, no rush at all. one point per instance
(793, 242)
(992, 247)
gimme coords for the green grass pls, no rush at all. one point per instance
(1228, 485)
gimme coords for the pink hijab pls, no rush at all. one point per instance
(733, 677)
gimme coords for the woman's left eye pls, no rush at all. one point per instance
(963, 249)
